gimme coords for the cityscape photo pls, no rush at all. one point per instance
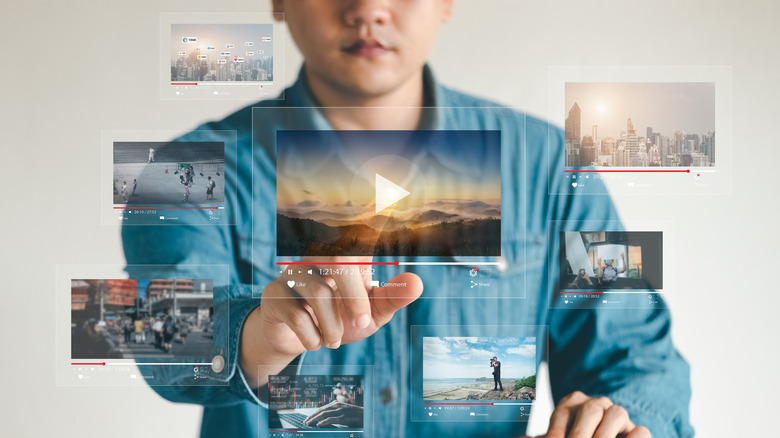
(222, 52)
(640, 124)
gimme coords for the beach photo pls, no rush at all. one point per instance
(476, 368)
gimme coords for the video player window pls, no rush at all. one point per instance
(152, 173)
(640, 130)
(479, 368)
(626, 264)
(635, 124)
(475, 373)
(141, 319)
(162, 328)
(220, 57)
(148, 181)
(388, 193)
(316, 402)
(611, 260)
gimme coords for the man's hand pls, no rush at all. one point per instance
(336, 413)
(302, 312)
(580, 416)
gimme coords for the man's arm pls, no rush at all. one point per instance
(193, 250)
(627, 356)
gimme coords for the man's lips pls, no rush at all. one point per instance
(369, 48)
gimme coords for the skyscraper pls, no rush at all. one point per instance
(573, 123)
(631, 144)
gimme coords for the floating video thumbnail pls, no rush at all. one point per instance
(311, 402)
(141, 319)
(164, 173)
(472, 368)
(640, 124)
(611, 260)
(388, 193)
(222, 52)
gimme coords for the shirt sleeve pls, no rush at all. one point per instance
(624, 354)
(183, 250)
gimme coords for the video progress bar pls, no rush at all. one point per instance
(598, 292)
(629, 171)
(105, 364)
(315, 431)
(395, 263)
(450, 263)
(479, 404)
(169, 208)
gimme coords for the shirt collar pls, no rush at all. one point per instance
(434, 114)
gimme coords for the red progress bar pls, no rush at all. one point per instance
(184, 83)
(166, 208)
(282, 431)
(88, 363)
(459, 404)
(581, 291)
(630, 171)
(395, 263)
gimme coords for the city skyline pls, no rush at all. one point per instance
(676, 125)
(231, 52)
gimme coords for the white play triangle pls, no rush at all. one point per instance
(387, 193)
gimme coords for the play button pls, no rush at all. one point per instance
(387, 193)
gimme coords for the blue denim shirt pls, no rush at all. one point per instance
(626, 355)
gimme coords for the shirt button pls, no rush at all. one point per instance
(386, 394)
(218, 363)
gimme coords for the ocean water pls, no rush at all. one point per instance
(436, 384)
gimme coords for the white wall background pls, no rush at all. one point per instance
(99, 72)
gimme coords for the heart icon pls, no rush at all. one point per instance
(81, 376)
(566, 301)
(430, 414)
(291, 283)
(574, 184)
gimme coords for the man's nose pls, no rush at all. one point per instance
(370, 12)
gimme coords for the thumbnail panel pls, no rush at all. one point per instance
(641, 130)
(380, 203)
(614, 264)
(149, 181)
(302, 402)
(221, 57)
(157, 328)
(475, 373)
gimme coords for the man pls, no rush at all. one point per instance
(151, 155)
(496, 365)
(139, 331)
(157, 328)
(612, 373)
(608, 273)
(581, 281)
(135, 184)
(210, 188)
(124, 192)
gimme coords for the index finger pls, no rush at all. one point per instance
(353, 290)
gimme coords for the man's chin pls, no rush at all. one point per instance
(370, 83)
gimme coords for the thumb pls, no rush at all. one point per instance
(397, 293)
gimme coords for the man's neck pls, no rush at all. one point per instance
(400, 109)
